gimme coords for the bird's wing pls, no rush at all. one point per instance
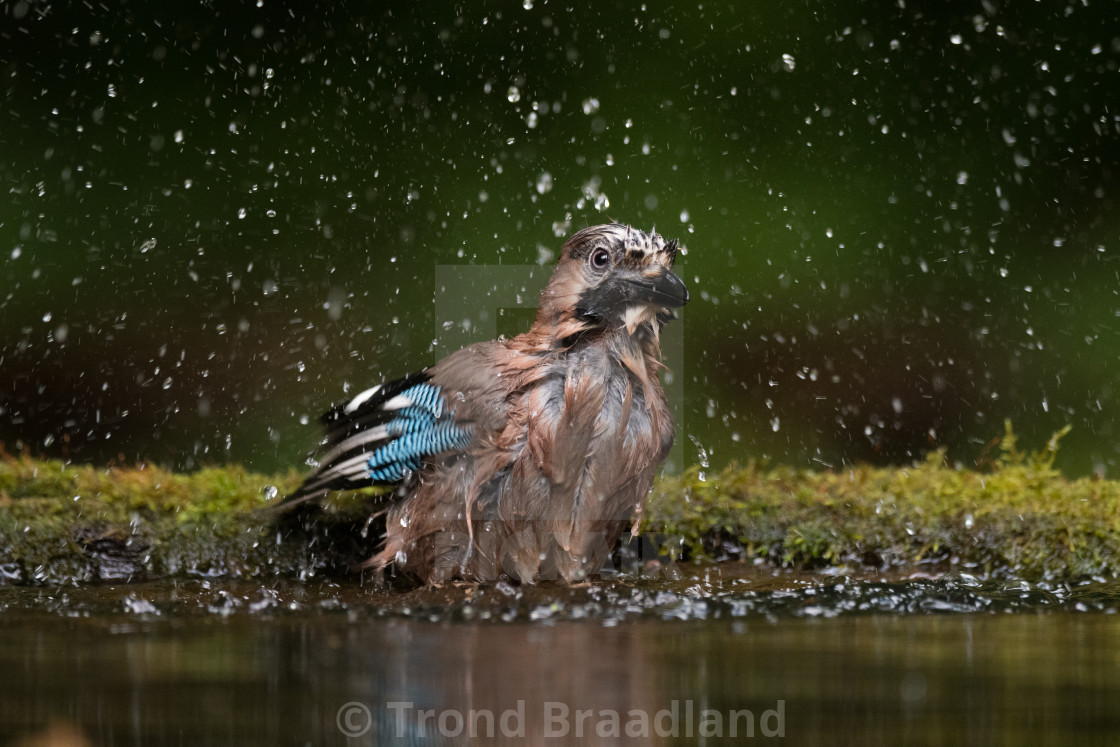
(380, 435)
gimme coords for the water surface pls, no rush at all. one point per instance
(806, 659)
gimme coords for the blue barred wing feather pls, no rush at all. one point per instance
(381, 435)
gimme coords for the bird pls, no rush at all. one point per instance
(523, 458)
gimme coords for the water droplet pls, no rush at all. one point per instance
(702, 457)
(590, 106)
(788, 63)
(513, 94)
(956, 39)
(602, 203)
(544, 183)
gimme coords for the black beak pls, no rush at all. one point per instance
(664, 290)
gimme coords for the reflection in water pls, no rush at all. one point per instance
(126, 669)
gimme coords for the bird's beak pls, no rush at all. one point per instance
(664, 289)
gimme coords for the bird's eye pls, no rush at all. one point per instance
(600, 258)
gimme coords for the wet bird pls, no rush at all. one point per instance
(530, 456)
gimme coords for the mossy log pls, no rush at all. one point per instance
(66, 524)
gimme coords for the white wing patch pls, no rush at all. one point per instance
(398, 403)
(357, 402)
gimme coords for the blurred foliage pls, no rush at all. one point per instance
(901, 220)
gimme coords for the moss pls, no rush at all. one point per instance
(1017, 515)
(63, 524)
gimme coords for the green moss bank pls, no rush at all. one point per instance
(1019, 516)
(65, 524)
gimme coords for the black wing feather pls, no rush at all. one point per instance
(352, 430)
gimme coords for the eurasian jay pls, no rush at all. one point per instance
(530, 456)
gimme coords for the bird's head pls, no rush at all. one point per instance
(614, 276)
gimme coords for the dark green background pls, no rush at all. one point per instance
(901, 221)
